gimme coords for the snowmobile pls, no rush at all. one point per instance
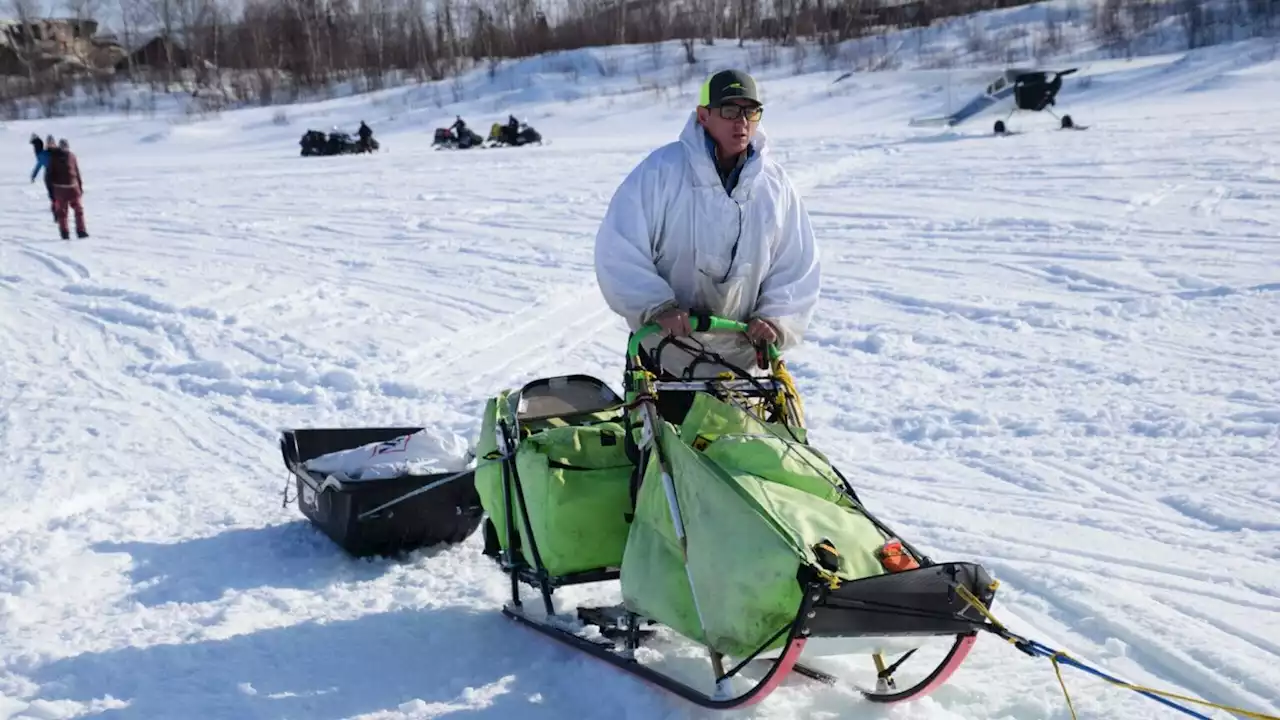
(314, 142)
(725, 528)
(500, 134)
(445, 138)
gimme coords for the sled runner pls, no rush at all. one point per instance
(724, 530)
(382, 514)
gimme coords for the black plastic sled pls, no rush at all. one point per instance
(384, 516)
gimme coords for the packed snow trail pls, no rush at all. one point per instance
(1052, 353)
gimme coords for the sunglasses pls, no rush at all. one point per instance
(730, 111)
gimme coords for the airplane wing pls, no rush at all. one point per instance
(999, 90)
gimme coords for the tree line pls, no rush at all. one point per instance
(310, 44)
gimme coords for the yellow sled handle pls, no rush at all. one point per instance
(700, 323)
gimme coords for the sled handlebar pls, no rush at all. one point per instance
(698, 322)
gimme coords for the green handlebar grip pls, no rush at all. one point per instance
(711, 323)
(699, 323)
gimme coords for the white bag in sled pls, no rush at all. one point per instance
(426, 452)
(384, 490)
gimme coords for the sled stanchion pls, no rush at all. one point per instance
(509, 553)
(505, 432)
(651, 422)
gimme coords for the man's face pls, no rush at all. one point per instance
(732, 124)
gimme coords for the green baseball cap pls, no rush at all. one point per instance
(728, 85)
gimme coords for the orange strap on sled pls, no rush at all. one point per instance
(895, 558)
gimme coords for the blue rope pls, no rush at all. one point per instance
(1031, 647)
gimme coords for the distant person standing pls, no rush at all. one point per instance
(366, 135)
(62, 171)
(42, 158)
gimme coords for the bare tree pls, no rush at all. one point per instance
(272, 50)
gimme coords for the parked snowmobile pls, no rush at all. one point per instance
(314, 142)
(523, 134)
(446, 139)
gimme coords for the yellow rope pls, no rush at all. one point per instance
(789, 383)
(1190, 699)
(1057, 668)
(969, 597)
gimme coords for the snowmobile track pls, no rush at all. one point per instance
(543, 333)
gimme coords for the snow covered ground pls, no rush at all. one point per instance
(1054, 353)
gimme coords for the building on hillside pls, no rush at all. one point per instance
(159, 52)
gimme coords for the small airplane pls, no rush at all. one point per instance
(1032, 91)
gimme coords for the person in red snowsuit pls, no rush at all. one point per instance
(63, 174)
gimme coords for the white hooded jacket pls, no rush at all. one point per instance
(668, 240)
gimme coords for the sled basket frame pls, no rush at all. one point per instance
(544, 408)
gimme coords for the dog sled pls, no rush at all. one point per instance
(725, 530)
(738, 554)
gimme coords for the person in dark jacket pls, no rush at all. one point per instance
(63, 173)
(42, 158)
(365, 134)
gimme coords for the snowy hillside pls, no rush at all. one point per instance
(1053, 353)
(1050, 32)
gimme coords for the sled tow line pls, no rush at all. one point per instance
(429, 487)
(1059, 658)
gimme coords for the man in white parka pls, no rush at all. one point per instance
(711, 224)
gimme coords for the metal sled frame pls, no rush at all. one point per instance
(934, 600)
